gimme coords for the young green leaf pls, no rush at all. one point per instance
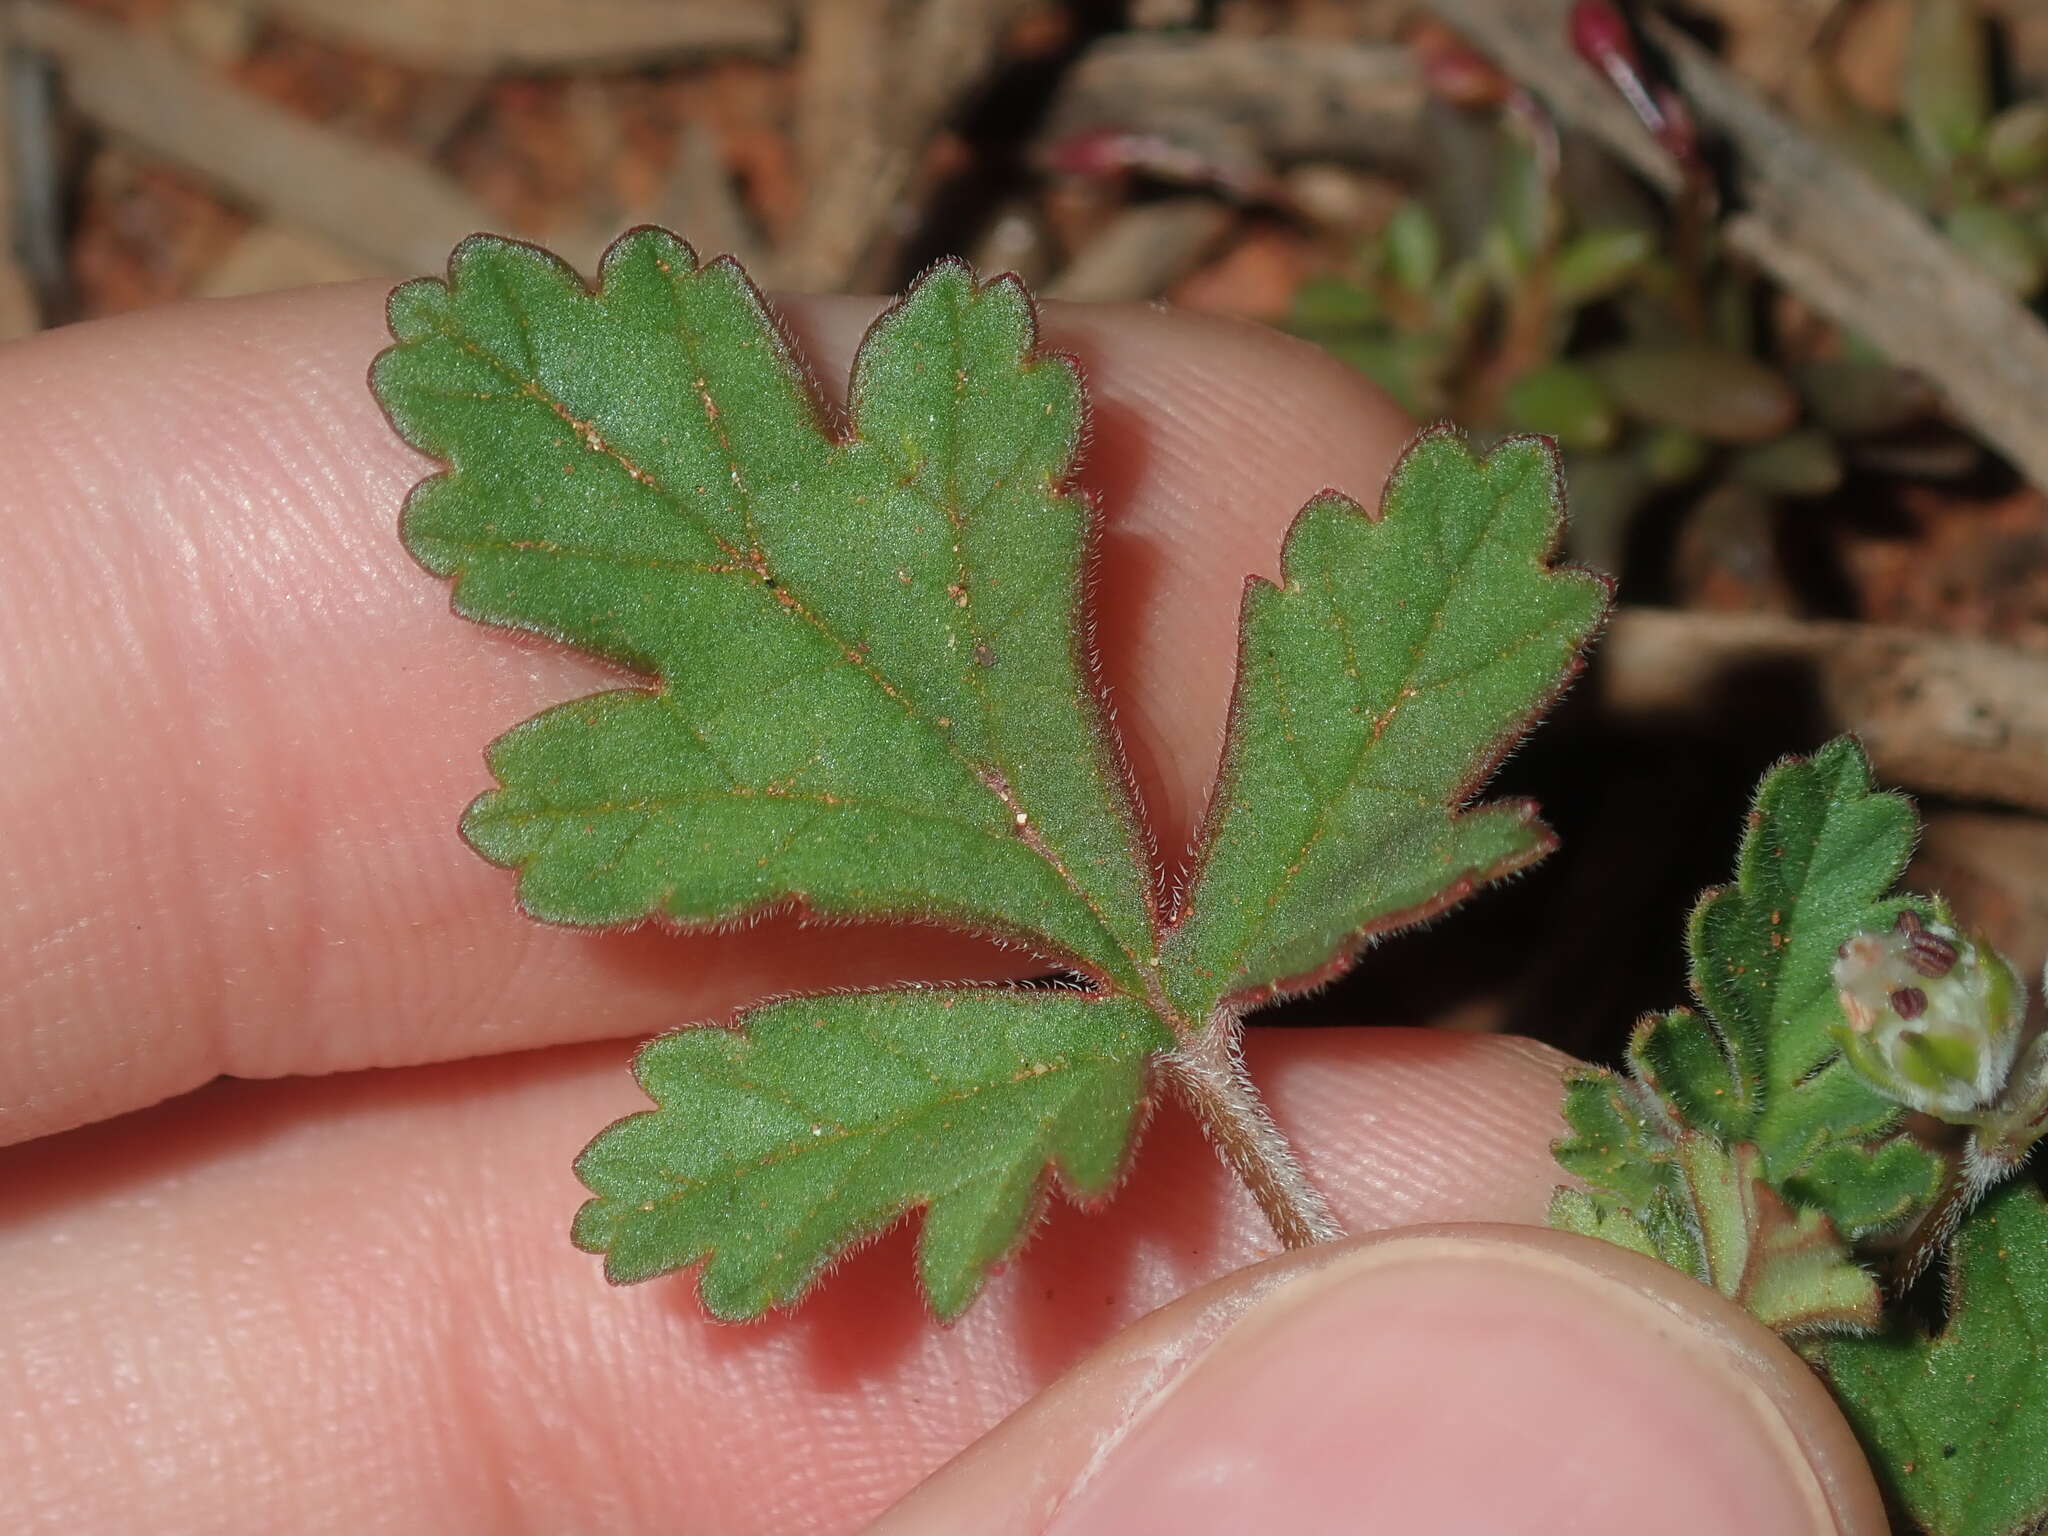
(1379, 683)
(1822, 850)
(1682, 1196)
(872, 694)
(1742, 1147)
(774, 1149)
(1633, 1197)
(1956, 1423)
(1617, 1144)
(1789, 1267)
(1681, 1058)
(1866, 1187)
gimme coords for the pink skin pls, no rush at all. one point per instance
(241, 726)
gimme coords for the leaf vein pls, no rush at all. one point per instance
(756, 565)
(888, 1125)
(1319, 828)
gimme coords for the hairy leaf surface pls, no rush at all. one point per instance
(1822, 850)
(1703, 1207)
(868, 693)
(1379, 683)
(1957, 1424)
(871, 691)
(1615, 1144)
(1820, 854)
(775, 1148)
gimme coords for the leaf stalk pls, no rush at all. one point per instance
(1207, 1071)
(1998, 1146)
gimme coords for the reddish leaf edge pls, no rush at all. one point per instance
(1165, 905)
(836, 426)
(1051, 1188)
(1749, 865)
(1471, 881)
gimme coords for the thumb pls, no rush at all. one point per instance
(1432, 1380)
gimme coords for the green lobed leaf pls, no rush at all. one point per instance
(775, 1149)
(1621, 1147)
(1867, 1188)
(1745, 1116)
(1604, 1217)
(1789, 1267)
(1679, 1057)
(1704, 1208)
(872, 696)
(868, 694)
(1956, 1423)
(1822, 850)
(1614, 1146)
(1379, 684)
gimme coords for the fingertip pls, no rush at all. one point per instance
(1438, 1380)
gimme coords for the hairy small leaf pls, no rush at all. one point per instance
(1615, 1144)
(1789, 1267)
(1867, 1188)
(1679, 1057)
(1821, 852)
(1610, 1220)
(1686, 1198)
(829, 1117)
(1957, 1423)
(1380, 682)
(1742, 1148)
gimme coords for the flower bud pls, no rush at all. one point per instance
(1931, 1016)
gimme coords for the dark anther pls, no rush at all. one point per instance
(1909, 922)
(1930, 954)
(1909, 1002)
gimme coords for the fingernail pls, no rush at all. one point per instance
(1470, 1382)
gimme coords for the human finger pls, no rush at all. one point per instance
(350, 1303)
(245, 723)
(1430, 1380)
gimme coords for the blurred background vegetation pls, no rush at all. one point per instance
(1770, 271)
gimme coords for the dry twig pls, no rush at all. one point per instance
(1819, 225)
(382, 206)
(270, 256)
(843, 142)
(1142, 251)
(480, 35)
(1958, 717)
(1768, 40)
(1291, 98)
(880, 77)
